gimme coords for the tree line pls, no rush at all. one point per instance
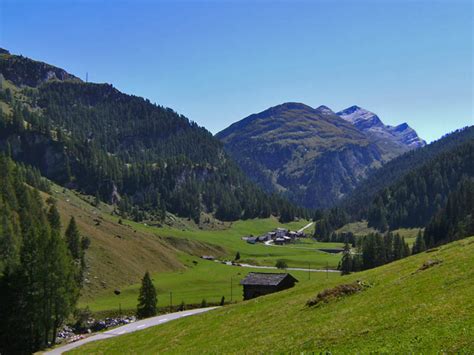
(40, 269)
(373, 250)
(455, 221)
(414, 199)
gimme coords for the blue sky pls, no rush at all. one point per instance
(219, 61)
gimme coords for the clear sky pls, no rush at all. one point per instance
(219, 61)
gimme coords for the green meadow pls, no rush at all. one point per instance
(300, 254)
(407, 307)
(201, 280)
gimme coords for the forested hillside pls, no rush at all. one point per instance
(40, 270)
(359, 199)
(456, 220)
(420, 194)
(123, 149)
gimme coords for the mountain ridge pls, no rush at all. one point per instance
(311, 155)
(368, 121)
(145, 158)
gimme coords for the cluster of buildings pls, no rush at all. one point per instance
(279, 236)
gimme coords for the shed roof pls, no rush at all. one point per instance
(265, 278)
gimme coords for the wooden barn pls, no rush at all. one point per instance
(262, 283)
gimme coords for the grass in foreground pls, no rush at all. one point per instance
(405, 310)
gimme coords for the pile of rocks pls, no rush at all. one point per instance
(111, 322)
(70, 334)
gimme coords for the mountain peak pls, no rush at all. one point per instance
(24, 71)
(358, 115)
(351, 109)
(367, 121)
(291, 106)
(402, 127)
(325, 110)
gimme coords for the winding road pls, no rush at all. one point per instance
(305, 227)
(129, 328)
(288, 268)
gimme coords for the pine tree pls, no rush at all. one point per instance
(73, 239)
(53, 217)
(237, 256)
(346, 261)
(419, 245)
(147, 298)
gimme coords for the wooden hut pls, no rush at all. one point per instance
(262, 283)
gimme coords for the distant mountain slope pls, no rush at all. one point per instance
(359, 200)
(369, 122)
(121, 148)
(310, 155)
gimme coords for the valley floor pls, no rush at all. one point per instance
(122, 250)
(420, 304)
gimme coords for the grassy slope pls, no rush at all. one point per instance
(360, 228)
(206, 280)
(295, 255)
(119, 255)
(405, 310)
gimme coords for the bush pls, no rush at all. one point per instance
(281, 264)
(339, 291)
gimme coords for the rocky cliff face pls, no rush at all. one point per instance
(23, 71)
(37, 150)
(312, 156)
(366, 121)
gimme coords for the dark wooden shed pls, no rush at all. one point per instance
(262, 283)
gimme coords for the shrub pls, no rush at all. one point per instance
(281, 264)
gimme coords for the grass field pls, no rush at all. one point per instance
(360, 228)
(406, 309)
(296, 255)
(120, 254)
(200, 280)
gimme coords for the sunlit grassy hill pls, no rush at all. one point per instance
(119, 254)
(121, 251)
(421, 304)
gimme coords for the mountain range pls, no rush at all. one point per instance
(314, 156)
(144, 158)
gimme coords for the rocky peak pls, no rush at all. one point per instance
(368, 121)
(325, 110)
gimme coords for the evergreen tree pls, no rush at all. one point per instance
(38, 290)
(54, 218)
(73, 239)
(147, 299)
(237, 256)
(419, 245)
(346, 261)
